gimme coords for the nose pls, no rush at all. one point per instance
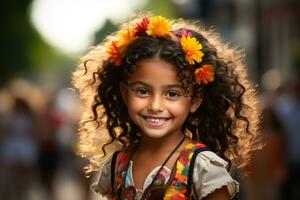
(156, 104)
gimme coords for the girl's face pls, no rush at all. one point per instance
(155, 99)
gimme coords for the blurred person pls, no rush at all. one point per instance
(18, 150)
(65, 113)
(49, 149)
(179, 103)
(287, 109)
(67, 106)
(280, 159)
(268, 170)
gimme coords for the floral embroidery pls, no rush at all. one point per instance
(177, 190)
(178, 187)
(120, 170)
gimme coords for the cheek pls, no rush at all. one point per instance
(135, 104)
(180, 109)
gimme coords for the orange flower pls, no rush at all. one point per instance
(159, 26)
(141, 27)
(114, 53)
(125, 38)
(204, 74)
(116, 49)
(192, 48)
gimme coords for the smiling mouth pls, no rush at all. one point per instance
(155, 122)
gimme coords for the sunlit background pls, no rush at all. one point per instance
(42, 40)
(70, 25)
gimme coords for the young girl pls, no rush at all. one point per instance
(174, 105)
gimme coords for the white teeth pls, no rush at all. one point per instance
(156, 120)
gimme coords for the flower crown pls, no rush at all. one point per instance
(160, 27)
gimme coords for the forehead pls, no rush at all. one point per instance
(155, 71)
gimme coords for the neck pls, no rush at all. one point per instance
(160, 144)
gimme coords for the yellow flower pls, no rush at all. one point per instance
(192, 49)
(126, 37)
(159, 26)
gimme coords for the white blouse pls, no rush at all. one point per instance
(209, 174)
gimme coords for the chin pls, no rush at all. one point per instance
(155, 133)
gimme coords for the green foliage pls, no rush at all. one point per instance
(161, 7)
(108, 28)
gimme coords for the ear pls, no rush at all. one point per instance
(196, 102)
(123, 91)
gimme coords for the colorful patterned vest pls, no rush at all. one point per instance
(179, 186)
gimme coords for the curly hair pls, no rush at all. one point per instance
(226, 121)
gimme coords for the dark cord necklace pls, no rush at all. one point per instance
(166, 160)
(161, 167)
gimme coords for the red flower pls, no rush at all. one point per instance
(141, 27)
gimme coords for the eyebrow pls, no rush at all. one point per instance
(147, 85)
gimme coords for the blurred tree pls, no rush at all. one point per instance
(22, 47)
(164, 8)
(108, 28)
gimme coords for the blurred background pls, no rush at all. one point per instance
(41, 42)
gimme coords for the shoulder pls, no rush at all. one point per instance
(210, 174)
(103, 184)
(206, 158)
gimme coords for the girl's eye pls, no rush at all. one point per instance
(173, 94)
(141, 92)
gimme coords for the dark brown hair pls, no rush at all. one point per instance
(226, 121)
